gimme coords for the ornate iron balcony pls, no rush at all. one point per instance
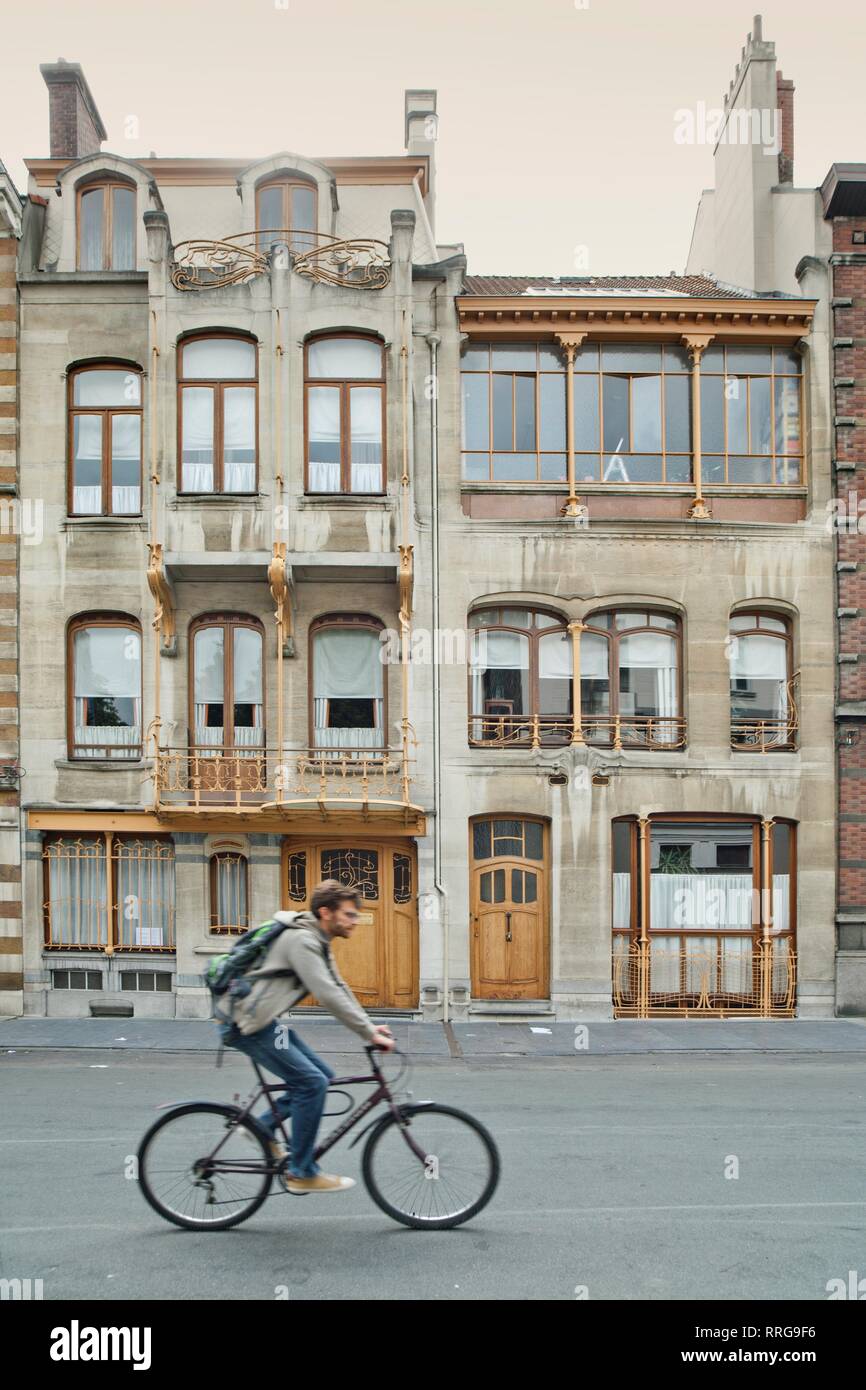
(359, 263)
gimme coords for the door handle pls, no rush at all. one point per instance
(508, 926)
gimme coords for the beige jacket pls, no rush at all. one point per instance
(303, 950)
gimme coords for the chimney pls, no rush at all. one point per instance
(75, 125)
(785, 106)
(422, 126)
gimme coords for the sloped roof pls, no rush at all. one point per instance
(694, 286)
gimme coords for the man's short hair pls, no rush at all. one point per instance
(331, 894)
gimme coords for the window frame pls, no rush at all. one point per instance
(774, 459)
(77, 624)
(105, 413)
(287, 183)
(107, 182)
(228, 622)
(534, 634)
(790, 743)
(218, 928)
(613, 635)
(351, 622)
(218, 386)
(345, 385)
(108, 840)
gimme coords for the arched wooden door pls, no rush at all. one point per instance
(380, 960)
(509, 914)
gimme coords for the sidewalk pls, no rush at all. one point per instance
(469, 1039)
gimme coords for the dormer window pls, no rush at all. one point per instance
(106, 226)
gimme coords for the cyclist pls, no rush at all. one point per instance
(302, 956)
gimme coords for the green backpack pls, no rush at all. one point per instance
(226, 974)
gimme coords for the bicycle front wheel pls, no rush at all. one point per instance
(202, 1168)
(434, 1168)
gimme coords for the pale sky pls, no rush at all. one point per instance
(556, 117)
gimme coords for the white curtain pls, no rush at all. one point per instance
(231, 891)
(323, 428)
(107, 665)
(762, 658)
(366, 438)
(555, 657)
(494, 651)
(642, 651)
(77, 894)
(197, 404)
(87, 499)
(622, 902)
(209, 689)
(87, 444)
(344, 359)
(346, 666)
(701, 901)
(239, 439)
(125, 501)
(144, 882)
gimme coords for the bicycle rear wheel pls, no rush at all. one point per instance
(198, 1168)
(434, 1168)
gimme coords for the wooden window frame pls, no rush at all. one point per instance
(228, 622)
(787, 637)
(218, 385)
(351, 622)
(726, 454)
(345, 385)
(639, 888)
(614, 635)
(113, 945)
(108, 186)
(535, 634)
(287, 183)
(218, 928)
(78, 624)
(105, 412)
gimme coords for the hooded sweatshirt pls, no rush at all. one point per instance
(304, 951)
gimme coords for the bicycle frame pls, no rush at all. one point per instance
(382, 1093)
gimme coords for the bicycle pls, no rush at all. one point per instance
(428, 1166)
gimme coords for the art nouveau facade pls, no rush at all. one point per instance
(504, 600)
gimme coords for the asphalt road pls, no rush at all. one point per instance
(613, 1184)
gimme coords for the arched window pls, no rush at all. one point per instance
(286, 204)
(106, 226)
(229, 892)
(630, 679)
(104, 402)
(348, 682)
(227, 684)
(345, 414)
(104, 684)
(217, 414)
(520, 676)
(762, 710)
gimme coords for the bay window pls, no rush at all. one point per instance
(217, 414)
(104, 432)
(751, 429)
(345, 415)
(348, 683)
(105, 687)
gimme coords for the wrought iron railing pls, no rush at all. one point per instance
(106, 893)
(540, 730)
(355, 263)
(686, 977)
(757, 735)
(201, 778)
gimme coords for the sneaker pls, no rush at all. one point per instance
(275, 1147)
(322, 1182)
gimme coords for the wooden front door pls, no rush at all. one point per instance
(380, 960)
(509, 941)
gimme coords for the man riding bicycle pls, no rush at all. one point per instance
(301, 957)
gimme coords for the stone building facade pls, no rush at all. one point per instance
(502, 598)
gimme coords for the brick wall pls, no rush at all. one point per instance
(11, 944)
(849, 379)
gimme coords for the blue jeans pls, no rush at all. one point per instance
(280, 1050)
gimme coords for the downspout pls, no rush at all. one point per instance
(434, 340)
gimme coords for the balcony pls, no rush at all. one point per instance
(268, 789)
(605, 731)
(676, 976)
(207, 264)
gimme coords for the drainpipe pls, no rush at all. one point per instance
(434, 340)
